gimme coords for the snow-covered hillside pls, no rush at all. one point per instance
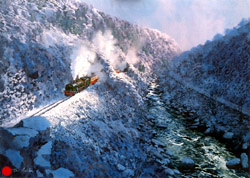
(44, 44)
(213, 81)
(100, 132)
(221, 67)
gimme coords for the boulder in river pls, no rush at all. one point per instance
(169, 153)
(157, 142)
(187, 164)
(244, 161)
(161, 126)
(120, 167)
(228, 135)
(244, 146)
(233, 163)
(169, 171)
(128, 173)
(208, 131)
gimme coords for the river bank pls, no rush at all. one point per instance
(210, 156)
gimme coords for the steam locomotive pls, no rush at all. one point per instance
(79, 84)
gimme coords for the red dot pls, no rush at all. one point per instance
(6, 171)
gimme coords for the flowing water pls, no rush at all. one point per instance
(209, 155)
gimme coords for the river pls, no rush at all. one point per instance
(210, 156)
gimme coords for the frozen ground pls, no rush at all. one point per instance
(98, 132)
(212, 81)
(104, 131)
(45, 45)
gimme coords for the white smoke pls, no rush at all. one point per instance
(106, 44)
(85, 56)
(131, 57)
(82, 60)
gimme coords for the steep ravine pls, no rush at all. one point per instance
(209, 155)
(211, 82)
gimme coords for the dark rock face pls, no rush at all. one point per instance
(234, 163)
(20, 144)
(37, 56)
(102, 131)
(220, 67)
(212, 81)
(1, 85)
(33, 75)
(187, 164)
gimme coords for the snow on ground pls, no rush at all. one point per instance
(96, 121)
(15, 157)
(102, 131)
(46, 45)
(209, 86)
(61, 172)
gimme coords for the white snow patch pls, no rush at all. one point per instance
(37, 122)
(169, 171)
(22, 131)
(128, 173)
(62, 172)
(45, 149)
(21, 141)
(39, 174)
(40, 161)
(49, 12)
(15, 157)
(120, 167)
(56, 36)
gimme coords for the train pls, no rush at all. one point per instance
(80, 84)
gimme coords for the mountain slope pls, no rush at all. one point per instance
(42, 46)
(100, 132)
(213, 81)
(221, 67)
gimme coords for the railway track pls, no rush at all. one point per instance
(78, 85)
(207, 94)
(49, 107)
